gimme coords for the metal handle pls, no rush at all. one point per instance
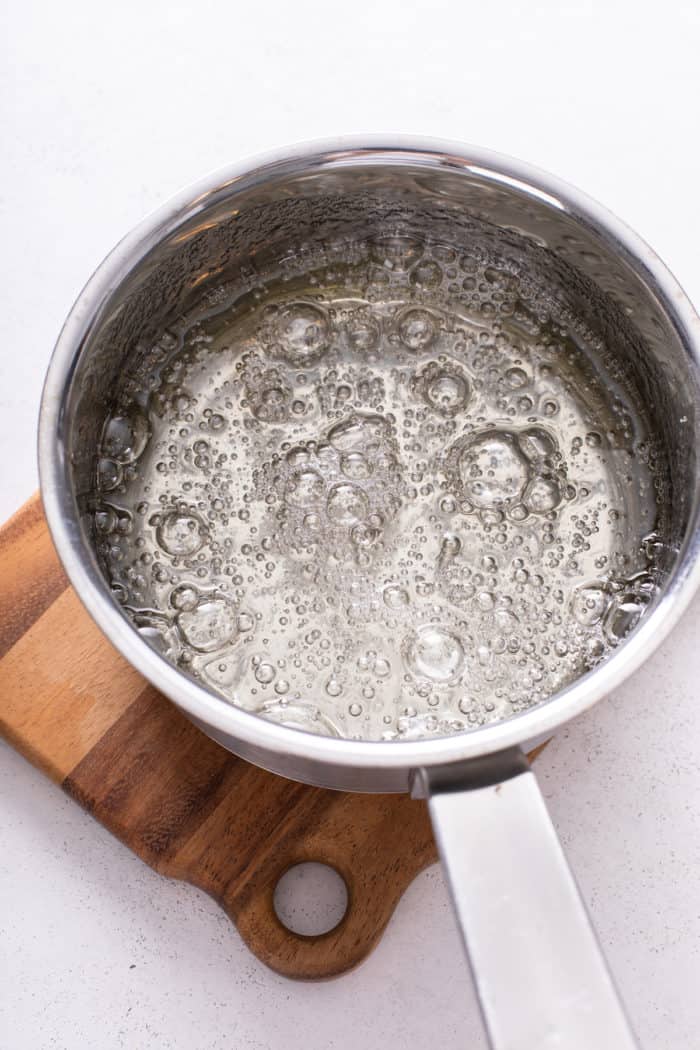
(540, 975)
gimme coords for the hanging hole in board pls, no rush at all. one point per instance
(310, 899)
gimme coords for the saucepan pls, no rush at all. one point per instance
(540, 975)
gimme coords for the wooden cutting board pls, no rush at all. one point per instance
(73, 706)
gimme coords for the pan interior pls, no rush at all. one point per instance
(383, 456)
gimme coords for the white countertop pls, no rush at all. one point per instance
(106, 111)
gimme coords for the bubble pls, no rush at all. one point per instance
(333, 687)
(363, 334)
(359, 433)
(396, 252)
(298, 456)
(426, 274)
(184, 597)
(209, 626)
(593, 439)
(519, 512)
(264, 672)
(347, 504)
(295, 715)
(448, 393)
(302, 332)
(417, 328)
(435, 653)
(542, 495)
(489, 468)
(355, 466)
(589, 604)
(382, 667)
(516, 377)
(594, 649)
(395, 596)
(119, 592)
(181, 535)
(109, 474)
(105, 520)
(445, 389)
(536, 444)
(270, 399)
(449, 549)
(125, 436)
(623, 617)
(355, 709)
(305, 489)
(245, 623)
(364, 535)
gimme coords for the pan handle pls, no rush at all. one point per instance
(540, 975)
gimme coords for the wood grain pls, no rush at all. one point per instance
(31, 575)
(190, 809)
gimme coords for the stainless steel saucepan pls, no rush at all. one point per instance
(541, 978)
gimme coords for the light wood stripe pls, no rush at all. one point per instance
(31, 577)
(62, 686)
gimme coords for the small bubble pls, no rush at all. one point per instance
(181, 534)
(397, 252)
(363, 335)
(109, 474)
(395, 596)
(125, 436)
(264, 672)
(347, 504)
(418, 329)
(302, 333)
(210, 625)
(354, 465)
(426, 274)
(184, 597)
(516, 377)
(435, 653)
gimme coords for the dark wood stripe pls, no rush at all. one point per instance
(31, 577)
(153, 778)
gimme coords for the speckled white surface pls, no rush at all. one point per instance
(105, 112)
